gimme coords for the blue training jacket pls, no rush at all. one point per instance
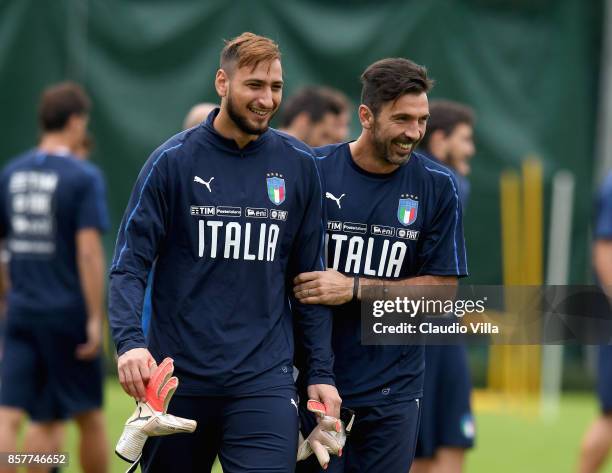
(228, 228)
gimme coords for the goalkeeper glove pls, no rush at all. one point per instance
(150, 418)
(328, 437)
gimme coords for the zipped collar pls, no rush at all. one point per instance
(227, 144)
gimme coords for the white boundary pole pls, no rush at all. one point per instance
(557, 274)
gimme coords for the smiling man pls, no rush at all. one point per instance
(394, 219)
(230, 210)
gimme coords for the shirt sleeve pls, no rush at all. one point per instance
(442, 252)
(603, 211)
(313, 323)
(142, 229)
(92, 209)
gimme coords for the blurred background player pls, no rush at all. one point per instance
(447, 425)
(197, 114)
(383, 384)
(597, 440)
(450, 141)
(317, 116)
(52, 213)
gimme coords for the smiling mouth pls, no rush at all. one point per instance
(260, 112)
(404, 146)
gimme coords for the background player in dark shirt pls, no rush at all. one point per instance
(228, 210)
(447, 425)
(52, 211)
(316, 115)
(597, 440)
(450, 141)
(394, 219)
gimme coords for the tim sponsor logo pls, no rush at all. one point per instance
(229, 211)
(382, 231)
(334, 226)
(278, 214)
(407, 234)
(202, 210)
(254, 212)
(351, 227)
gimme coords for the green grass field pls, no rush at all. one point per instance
(506, 443)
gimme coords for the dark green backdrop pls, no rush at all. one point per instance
(529, 68)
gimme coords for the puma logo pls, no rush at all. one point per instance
(295, 404)
(199, 180)
(331, 196)
(140, 416)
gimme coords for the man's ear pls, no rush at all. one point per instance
(366, 117)
(222, 82)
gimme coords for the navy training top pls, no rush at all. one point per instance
(44, 200)
(389, 226)
(228, 229)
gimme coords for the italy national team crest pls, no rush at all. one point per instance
(407, 211)
(276, 188)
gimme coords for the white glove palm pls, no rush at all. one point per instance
(150, 418)
(328, 437)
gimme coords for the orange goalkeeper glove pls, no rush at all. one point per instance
(150, 418)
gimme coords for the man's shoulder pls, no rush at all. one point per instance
(329, 151)
(90, 170)
(294, 147)
(437, 172)
(17, 162)
(173, 146)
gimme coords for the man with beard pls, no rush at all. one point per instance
(447, 425)
(228, 210)
(394, 219)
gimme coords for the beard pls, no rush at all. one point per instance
(384, 148)
(242, 122)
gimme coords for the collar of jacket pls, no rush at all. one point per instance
(213, 137)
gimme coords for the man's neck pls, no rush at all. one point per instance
(363, 152)
(56, 142)
(226, 127)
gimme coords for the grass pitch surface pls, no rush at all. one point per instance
(506, 442)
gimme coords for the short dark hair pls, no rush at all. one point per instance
(388, 79)
(59, 102)
(445, 115)
(316, 102)
(248, 49)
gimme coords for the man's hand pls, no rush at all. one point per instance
(323, 287)
(150, 419)
(90, 349)
(135, 367)
(328, 395)
(328, 437)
